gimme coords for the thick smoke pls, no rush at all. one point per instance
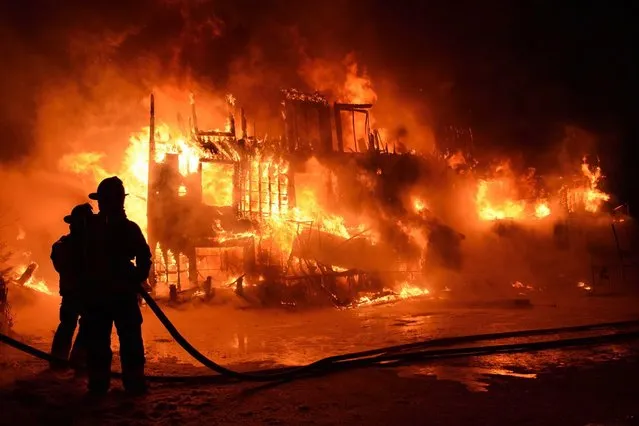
(78, 77)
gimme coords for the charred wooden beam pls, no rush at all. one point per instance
(150, 203)
(352, 107)
(348, 273)
(232, 124)
(217, 146)
(27, 274)
(243, 124)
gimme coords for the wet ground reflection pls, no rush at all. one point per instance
(267, 337)
(474, 378)
(477, 373)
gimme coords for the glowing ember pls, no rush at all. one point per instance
(456, 160)
(584, 286)
(520, 285)
(405, 291)
(419, 205)
(542, 210)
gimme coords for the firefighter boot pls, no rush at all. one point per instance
(99, 382)
(134, 381)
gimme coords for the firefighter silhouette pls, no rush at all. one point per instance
(113, 297)
(68, 255)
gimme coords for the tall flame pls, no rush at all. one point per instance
(498, 197)
(593, 197)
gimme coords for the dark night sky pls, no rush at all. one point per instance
(515, 71)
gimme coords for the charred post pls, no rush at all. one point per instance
(244, 134)
(150, 195)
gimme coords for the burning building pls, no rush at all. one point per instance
(224, 206)
(324, 208)
(221, 202)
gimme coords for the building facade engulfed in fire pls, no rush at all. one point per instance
(333, 211)
(225, 207)
(221, 202)
(323, 208)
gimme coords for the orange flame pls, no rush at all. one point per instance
(542, 210)
(404, 291)
(419, 205)
(498, 197)
(496, 207)
(32, 283)
(593, 197)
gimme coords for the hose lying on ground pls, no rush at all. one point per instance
(286, 373)
(385, 359)
(398, 353)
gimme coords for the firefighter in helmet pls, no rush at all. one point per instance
(113, 297)
(69, 257)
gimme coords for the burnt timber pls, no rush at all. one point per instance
(182, 225)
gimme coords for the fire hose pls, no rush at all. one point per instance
(392, 354)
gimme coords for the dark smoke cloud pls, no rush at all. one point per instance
(515, 74)
(93, 50)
